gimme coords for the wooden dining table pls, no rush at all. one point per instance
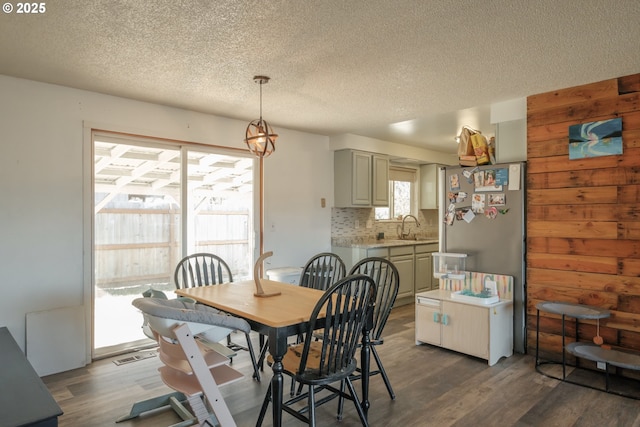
(278, 317)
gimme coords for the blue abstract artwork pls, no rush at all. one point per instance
(595, 139)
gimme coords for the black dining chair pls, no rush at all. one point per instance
(387, 280)
(341, 314)
(322, 271)
(204, 269)
(201, 269)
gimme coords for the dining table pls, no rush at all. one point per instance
(278, 316)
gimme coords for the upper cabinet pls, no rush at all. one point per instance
(360, 179)
(429, 186)
(380, 180)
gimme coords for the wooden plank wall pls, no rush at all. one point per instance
(583, 216)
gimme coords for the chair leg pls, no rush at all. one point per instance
(312, 406)
(354, 397)
(292, 392)
(341, 401)
(383, 373)
(256, 371)
(264, 345)
(265, 405)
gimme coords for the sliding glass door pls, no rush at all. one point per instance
(155, 202)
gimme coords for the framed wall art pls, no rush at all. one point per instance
(595, 139)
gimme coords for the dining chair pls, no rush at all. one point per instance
(201, 269)
(322, 271)
(341, 314)
(190, 368)
(385, 276)
(204, 269)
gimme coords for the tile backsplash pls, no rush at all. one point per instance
(344, 221)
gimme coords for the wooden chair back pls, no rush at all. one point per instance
(201, 269)
(322, 271)
(387, 280)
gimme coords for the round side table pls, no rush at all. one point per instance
(566, 309)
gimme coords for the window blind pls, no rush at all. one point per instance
(402, 174)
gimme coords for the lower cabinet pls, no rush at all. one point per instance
(402, 258)
(424, 280)
(413, 261)
(467, 329)
(428, 318)
(484, 331)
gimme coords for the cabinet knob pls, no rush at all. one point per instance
(436, 317)
(445, 319)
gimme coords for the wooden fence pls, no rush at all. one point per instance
(142, 246)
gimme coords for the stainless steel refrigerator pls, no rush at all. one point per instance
(482, 214)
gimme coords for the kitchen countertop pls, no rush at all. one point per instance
(385, 243)
(445, 295)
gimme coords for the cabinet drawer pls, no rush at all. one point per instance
(428, 301)
(401, 250)
(430, 247)
(379, 252)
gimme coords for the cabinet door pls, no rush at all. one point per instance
(428, 327)
(380, 181)
(429, 186)
(404, 264)
(424, 272)
(465, 328)
(361, 179)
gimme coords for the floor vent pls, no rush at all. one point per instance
(135, 357)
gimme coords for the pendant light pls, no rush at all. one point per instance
(260, 137)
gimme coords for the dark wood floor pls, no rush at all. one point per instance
(434, 387)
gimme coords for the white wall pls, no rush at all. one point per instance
(511, 141)
(41, 188)
(510, 118)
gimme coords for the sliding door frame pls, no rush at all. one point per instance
(89, 128)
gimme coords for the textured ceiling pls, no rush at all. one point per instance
(336, 66)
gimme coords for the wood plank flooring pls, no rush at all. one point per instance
(434, 387)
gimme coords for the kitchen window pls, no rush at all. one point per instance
(402, 194)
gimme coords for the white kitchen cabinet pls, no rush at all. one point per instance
(484, 331)
(429, 186)
(403, 258)
(360, 179)
(380, 181)
(424, 268)
(351, 255)
(428, 326)
(413, 261)
(466, 329)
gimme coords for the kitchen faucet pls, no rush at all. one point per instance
(404, 235)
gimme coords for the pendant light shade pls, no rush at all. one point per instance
(260, 137)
